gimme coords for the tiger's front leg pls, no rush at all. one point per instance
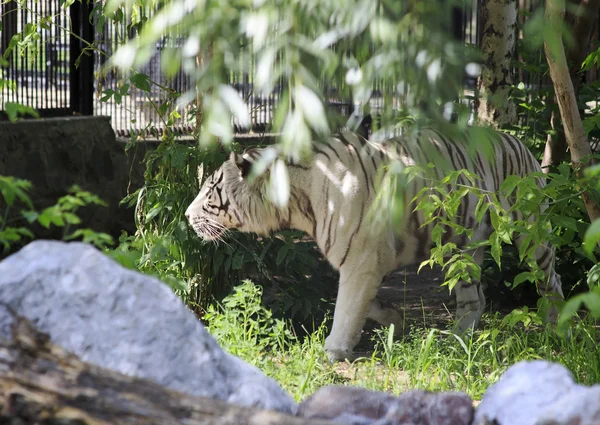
(358, 288)
(470, 300)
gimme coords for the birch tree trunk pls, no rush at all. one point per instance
(498, 19)
(565, 95)
(582, 25)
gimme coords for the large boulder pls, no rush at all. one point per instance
(120, 319)
(357, 406)
(539, 393)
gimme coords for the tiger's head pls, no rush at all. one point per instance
(231, 199)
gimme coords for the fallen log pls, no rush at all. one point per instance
(41, 383)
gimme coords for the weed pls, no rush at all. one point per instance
(428, 358)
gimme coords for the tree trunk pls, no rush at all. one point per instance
(498, 19)
(40, 383)
(556, 144)
(565, 96)
(582, 23)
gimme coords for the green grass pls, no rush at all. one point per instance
(429, 359)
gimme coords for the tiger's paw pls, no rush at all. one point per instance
(337, 352)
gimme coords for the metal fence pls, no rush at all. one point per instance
(60, 77)
(51, 74)
(40, 74)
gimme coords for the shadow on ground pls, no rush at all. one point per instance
(419, 297)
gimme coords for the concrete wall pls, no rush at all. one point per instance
(56, 153)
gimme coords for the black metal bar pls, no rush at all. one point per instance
(457, 23)
(81, 64)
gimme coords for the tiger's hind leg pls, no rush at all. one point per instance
(470, 300)
(386, 315)
(551, 287)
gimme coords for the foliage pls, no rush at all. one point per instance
(202, 272)
(312, 51)
(592, 235)
(440, 200)
(19, 217)
(533, 94)
(246, 329)
(248, 326)
(298, 46)
(429, 359)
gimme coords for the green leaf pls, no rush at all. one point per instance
(30, 216)
(107, 94)
(590, 60)
(495, 219)
(592, 171)
(496, 247)
(591, 238)
(591, 300)
(281, 254)
(57, 219)
(589, 123)
(218, 261)
(44, 219)
(312, 109)
(175, 283)
(481, 209)
(71, 218)
(593, 277)
(564, 221)
(509, 184)
(141, 81)
(236, 105)
(13, 110)
(238, 260)
(522, 277)
(279, 184)
(153, 212)
(124, 89)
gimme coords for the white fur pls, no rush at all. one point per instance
(330, 199)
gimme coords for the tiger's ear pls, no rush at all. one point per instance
(200, 174)
(242, 162)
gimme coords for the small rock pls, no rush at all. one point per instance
(126, 321)
(357, 406)
(539, 393)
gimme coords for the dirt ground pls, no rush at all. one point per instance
(419, 296)
(420, 299)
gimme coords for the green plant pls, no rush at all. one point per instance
(428, 359)
(19, 216)
(202, 272)
(440, 200)
(248, 329)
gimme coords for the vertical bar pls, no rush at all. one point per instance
(81, 78)
(74, 51)
(23, 61)
(39, 94)
(457, 23)
(64, 70)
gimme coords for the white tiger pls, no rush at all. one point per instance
(329, 199)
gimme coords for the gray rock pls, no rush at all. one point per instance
(357, 406)
(123, 320)
(539, 393)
